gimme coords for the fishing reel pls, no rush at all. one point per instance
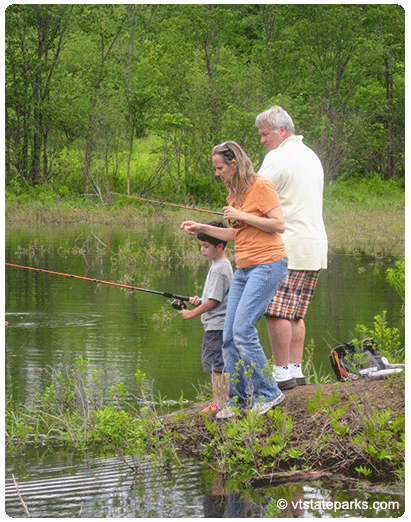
(178, 305)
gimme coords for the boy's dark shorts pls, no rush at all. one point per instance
(212, 351)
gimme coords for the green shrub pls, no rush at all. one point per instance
(207, 190)
(396, 277)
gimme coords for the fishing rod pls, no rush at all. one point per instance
(167, 204)
(178, 303)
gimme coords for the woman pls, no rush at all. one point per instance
(256, 221)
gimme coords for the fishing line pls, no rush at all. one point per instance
(178, 304)
(168, 204)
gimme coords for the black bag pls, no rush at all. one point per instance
(349, 361)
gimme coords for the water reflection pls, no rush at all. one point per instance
(61, 485)
(58, 484)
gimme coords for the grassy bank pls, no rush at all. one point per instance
(355, 429)
(366, 216)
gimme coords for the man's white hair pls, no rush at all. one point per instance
(277, 117)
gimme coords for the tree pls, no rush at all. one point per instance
(138, 97)
(34, 36)
(107, 23)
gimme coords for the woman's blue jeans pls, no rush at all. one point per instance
(250, 293)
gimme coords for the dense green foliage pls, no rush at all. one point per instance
(131, 98)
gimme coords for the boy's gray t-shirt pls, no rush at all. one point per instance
(216, 287)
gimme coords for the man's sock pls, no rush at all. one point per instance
(295, 370)
(282, 373)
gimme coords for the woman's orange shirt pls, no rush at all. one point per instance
(252, 245)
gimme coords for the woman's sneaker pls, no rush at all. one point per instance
(263, 407)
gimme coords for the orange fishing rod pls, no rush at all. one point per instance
(178, 304)
(168, 204)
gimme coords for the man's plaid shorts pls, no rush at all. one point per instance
(294, 295)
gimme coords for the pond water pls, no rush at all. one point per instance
(53, 319)
(62, 485)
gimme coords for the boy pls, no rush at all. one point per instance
(212, 307)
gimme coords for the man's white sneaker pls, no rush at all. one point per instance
(283, 378)
(297, 374)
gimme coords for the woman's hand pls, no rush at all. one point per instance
(272, 222)
(191, 227)
(234, 213)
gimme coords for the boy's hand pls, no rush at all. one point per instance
(195, 301)
(186, 314)
(208, 304)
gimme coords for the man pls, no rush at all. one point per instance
(297, 173)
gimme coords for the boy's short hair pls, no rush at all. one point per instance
(210, 239)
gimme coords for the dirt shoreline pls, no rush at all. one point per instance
(325, 450)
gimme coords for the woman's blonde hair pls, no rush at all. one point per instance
(244, 175)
